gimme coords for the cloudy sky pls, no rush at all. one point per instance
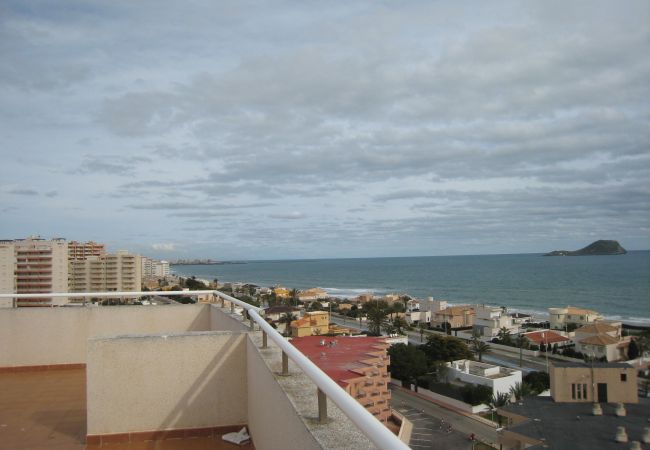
(257, 130)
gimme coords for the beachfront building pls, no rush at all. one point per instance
(312, 294)
(34, 265)
(112, 272)
(490, 320)
(601, 340)
(499, 379)
(152, 268)
(561, 318)
(281, 292)
(313, 323)
(357, 364)
(547, 339)
(456, 316)
(364, 298)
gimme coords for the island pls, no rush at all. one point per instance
(601, 247)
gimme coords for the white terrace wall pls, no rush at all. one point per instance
(166, 382)
(48, 336)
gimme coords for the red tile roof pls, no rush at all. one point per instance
(340, 360)
(545, 337)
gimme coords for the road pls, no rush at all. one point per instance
(494, 356)
(427, 416)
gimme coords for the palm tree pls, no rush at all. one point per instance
(520, 390)
(479, 347)
(521, 342)
(504, 336)
(286, 319)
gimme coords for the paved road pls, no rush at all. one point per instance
(500, 357)
(431, 421)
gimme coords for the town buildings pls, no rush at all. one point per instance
(152, 268)
(547, 339)
(560, 318)
(36, 265)
(312, 294)
(490, 320)
(357, 364)
(601, 341)
(595, 405)
(456, 316)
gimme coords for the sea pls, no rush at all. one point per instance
(616, 286)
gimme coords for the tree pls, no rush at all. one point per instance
(522, 343)
(445, 348)
(538, 381)
(479, 347)
(499, 400)
(400, 324)
(633, 350)
(286, 319)
(407, 363)
(520, 390)
(294, 296)
(376, 320)
(504, 336)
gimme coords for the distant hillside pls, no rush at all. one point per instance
(601, 247)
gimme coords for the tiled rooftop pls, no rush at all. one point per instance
(47, 410)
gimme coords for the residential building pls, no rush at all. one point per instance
(281, 292)
(154, 268)
(547, 338)
(312, 323)
(7, 272)
(597, 382)
(34, 265)
(123, 271)
(594, 405)
(456, 316)
(111, 272)
(560, 318)
(357, 364)
(490, 320)
(499, 379)
(312, 294)
(602, 340)
(83, 250)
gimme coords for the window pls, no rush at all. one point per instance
(579, 391)
(623, 377)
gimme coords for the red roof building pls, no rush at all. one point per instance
(546, 337)
(357, 364)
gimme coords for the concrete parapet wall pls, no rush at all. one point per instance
(48, 336)
(221, 319)
(165, 382)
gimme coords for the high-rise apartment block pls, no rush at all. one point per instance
(83, 250)
(34, 265)
(154, 268)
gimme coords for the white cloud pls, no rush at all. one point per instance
(167, 247)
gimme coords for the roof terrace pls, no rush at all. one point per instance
(173, 376)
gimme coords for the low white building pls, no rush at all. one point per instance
(499, 379)
(559, 318)
(490, 320)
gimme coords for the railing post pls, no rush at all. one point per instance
(252, 323)
(285, 364)
(265, 340)
(322, 407)
(232, 308)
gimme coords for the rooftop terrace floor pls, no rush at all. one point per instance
(47, 410)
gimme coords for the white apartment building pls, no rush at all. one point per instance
(560, 317)
(154, 268)
(490, 320)
(499, 379)
(34, 265)
(83, 250)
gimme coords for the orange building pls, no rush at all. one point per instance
(357, 364)
(313, 323)
(82, 250)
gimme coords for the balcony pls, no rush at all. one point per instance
(169, 371)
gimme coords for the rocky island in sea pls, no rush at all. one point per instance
(601, 247)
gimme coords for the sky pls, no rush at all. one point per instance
(302, 129)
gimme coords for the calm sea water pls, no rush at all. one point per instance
(616, 286)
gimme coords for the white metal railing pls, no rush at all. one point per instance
(380, 435)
